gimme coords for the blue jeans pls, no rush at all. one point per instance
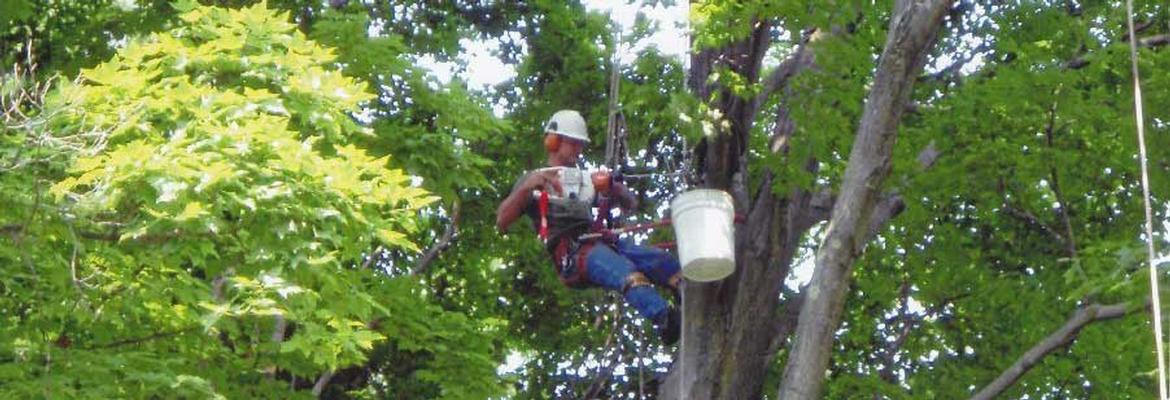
(608, 267)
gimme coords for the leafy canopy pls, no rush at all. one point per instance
(205, 200)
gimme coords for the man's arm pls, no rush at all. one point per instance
(626, 198)
(513, 206)
(607, 186)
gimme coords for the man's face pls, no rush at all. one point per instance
(572, 148)
(568, 152)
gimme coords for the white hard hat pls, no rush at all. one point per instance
(568, 123)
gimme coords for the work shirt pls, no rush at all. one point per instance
(567, 217)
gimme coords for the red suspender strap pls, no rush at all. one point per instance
(543, 206)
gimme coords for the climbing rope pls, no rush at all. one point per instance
(1141, 133)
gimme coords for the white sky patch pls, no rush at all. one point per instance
(126, 5)
(672, 38)
(512, 363)
(484, 68)
(805, 262)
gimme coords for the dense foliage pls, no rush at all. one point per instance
(246, 199)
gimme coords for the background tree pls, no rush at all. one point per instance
(198, 200)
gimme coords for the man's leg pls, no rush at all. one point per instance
(608, 269)
(659, 265)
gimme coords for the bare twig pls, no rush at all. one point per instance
(370, 258)
(79, 284)
(1070, 240)
(907, 323)
(610, 345)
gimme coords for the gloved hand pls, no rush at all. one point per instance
(602, 182)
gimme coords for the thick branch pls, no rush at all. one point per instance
(786, 322)
(1079, 62)
(1155, 40)
(799, 60)
(325, 377)
(954, 70)
(912, 32)
(322, 382)
(888, 207)
(278, 330)
(444, 242)
(1061, 338)
(141, 340)
(12, 230)
(1030, 218)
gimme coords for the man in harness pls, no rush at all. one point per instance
(559, 201)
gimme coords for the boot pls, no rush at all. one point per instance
(668, 324)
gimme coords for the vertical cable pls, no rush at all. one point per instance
(1141, 133)
(682, 341)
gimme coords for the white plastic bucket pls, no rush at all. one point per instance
(704, 227)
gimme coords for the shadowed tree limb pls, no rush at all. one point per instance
(443, 243)
(1061, 338)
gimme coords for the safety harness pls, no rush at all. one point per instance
(542, 205)
(570, 252)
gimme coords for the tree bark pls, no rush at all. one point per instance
(913, 28)
(728, 325)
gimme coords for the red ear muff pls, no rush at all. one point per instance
(552, 142)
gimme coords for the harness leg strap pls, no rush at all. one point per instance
(633, 280)
(675, 291)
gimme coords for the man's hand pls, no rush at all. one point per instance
(547, 180)
(601, 182)
(609, 184)
(513, 206)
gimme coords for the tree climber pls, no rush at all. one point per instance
(609, 262)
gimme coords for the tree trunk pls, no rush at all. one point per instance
(912, 30)
(729, 326)
(733, 328)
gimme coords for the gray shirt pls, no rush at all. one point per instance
(567, 217)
